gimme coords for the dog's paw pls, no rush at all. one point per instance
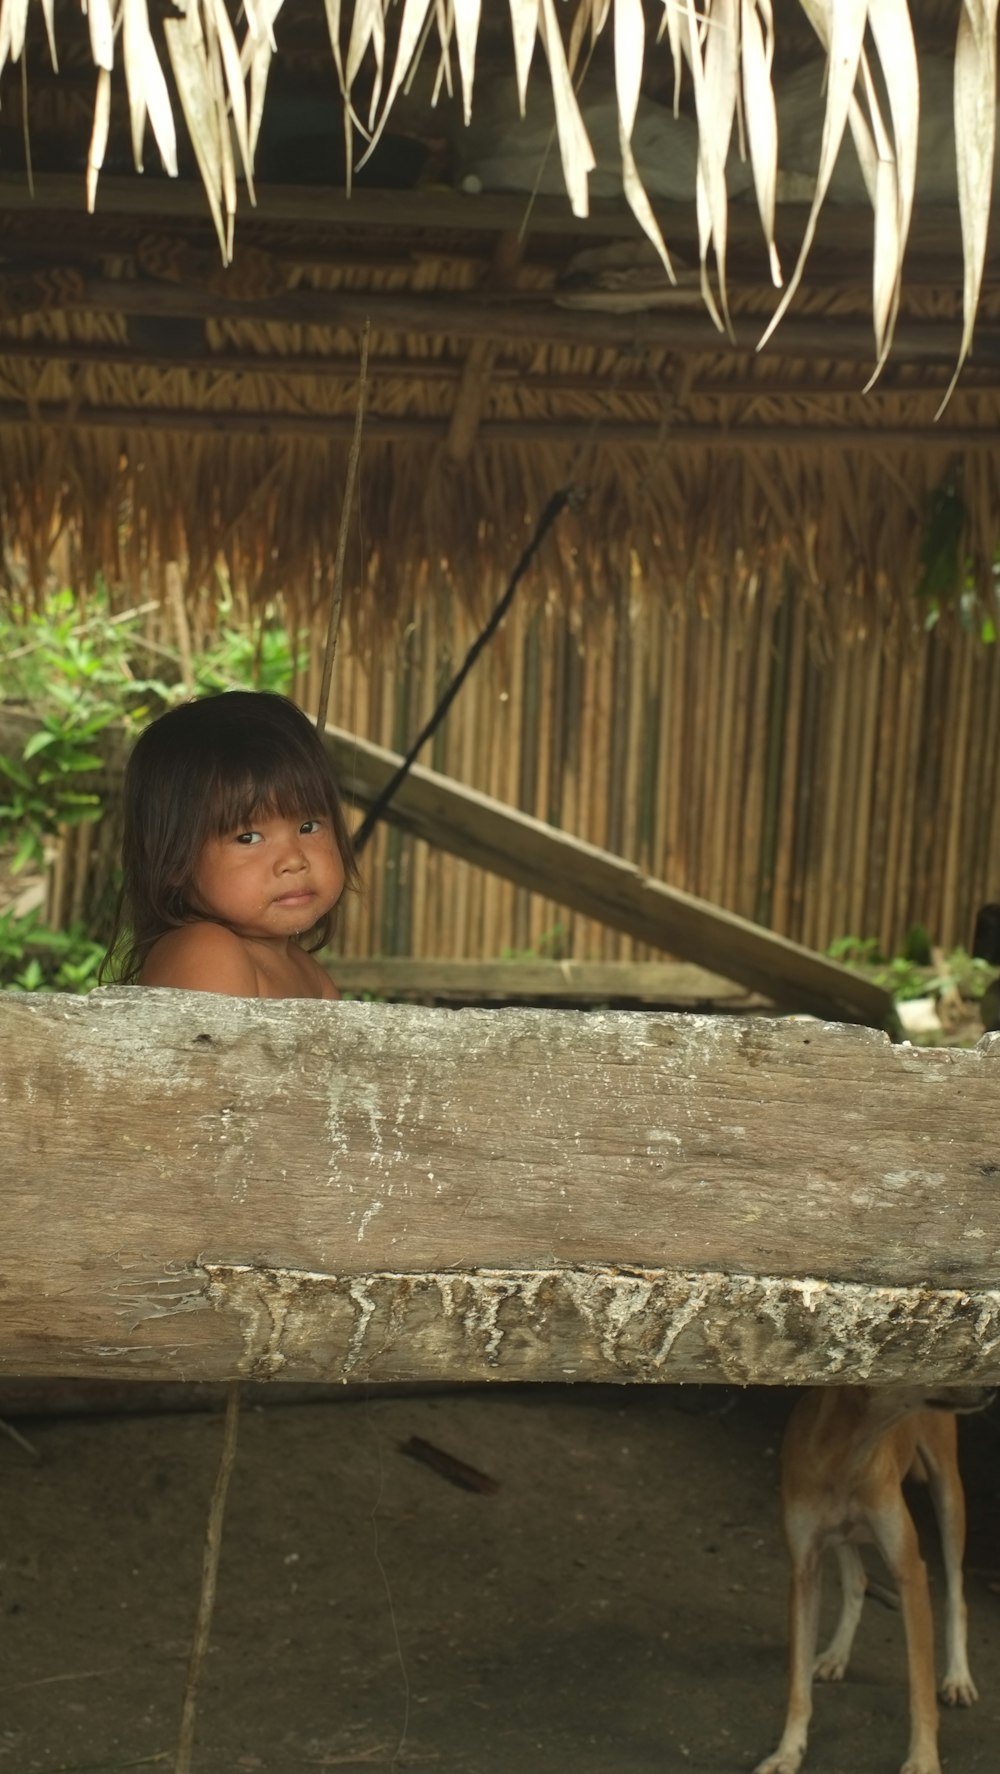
(959, 1690)
(787, 1761)
(830, 1666)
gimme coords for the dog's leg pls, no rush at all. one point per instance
(832, 1663)
(896, 1538)
(803, 1626)
(940, 1460)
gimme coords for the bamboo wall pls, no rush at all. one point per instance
(825, 789)
(823, 786)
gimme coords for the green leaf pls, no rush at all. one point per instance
(15, 771)
(942, 564)
(38, 742)
(29, 849)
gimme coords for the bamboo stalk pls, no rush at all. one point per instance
(991, 881)
(844, 795)
(803, 868)
(861, 871)
(782, 913)
(987, 874)
(955, 839)
(682, 763)
(901, 864)
(723, 857)
(544, 912)
(780, 655)
(638, 695)
(754, 748)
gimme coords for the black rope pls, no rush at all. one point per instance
(556, 504)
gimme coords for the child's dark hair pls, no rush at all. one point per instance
(199, 771)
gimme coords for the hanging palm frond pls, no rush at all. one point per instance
(726, 48)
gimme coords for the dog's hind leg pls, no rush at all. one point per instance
(939, 1457)
(831, 1664)
(896, 1538)
(803, 1625)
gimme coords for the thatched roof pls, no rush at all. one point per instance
(157, 403)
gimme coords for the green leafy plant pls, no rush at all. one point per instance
(907, 975)
(549, 947)
(36, 959)
(76, 678)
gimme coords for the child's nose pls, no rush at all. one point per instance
(293, 857)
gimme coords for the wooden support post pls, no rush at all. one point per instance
(214, 1188)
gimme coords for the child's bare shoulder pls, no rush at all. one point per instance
(202, 958)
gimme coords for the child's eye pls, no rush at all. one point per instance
(248, 837)
(311, 825)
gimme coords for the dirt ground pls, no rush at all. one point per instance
(616, 1606)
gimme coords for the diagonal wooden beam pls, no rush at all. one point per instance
(599, 885)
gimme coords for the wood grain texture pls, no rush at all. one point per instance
(198, 1187)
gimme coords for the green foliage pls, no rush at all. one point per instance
(262, 661)
(551, 946)
(77, 679)
(907, 975)
(947, 579)
(943, 569)
(36, 959)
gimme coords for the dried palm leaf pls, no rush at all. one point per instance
(411, 31)
(840, 26)
(217, 87)
(975, 143)
(630, 34)
(98, 135)
(574, 143)
(100, 23)
(48, 12)
(235, 90)
(13, 23)
(893, 36)
(524, 20)
(186, 48)
(757, 38)
(147, 88)
(467, 16)
(255, 61)
(710, 189)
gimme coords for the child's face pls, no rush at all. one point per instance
(272, 879)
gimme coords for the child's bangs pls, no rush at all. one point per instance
(287, 787)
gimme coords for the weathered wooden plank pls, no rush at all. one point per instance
(196, 1187)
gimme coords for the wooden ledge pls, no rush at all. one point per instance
(199, 1187)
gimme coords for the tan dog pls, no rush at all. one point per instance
(845, 1454)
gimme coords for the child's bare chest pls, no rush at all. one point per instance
(292, 976)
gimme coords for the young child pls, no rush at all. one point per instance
(235, 851)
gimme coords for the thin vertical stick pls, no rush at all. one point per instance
(209, 1577)
(337, 595)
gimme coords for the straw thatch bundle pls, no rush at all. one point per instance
(726, 48)
(157, 405)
